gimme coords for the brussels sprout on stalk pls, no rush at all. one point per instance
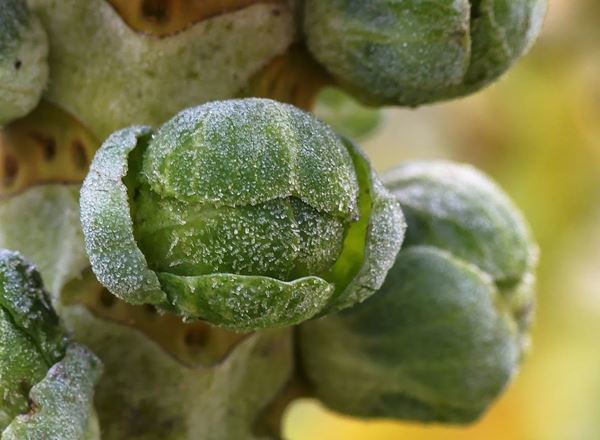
(245, 213)
(413, 52)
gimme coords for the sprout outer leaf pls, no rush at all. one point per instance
(62, 403)
(45, 393)
(21, 365)
(115, 257)
(249, 151)
(384, 238)
(501, 33)
(388, 51)
(457, 208)
(246, 303)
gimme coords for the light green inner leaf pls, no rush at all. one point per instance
(352, 256)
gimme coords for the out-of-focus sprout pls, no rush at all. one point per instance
(245, 213)
(46, 382)
(346, 116)
(447, 331)
(414, 52)
(23, 60)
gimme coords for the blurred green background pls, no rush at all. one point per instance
(537, 132)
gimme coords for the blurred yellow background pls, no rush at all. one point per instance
(537, 132)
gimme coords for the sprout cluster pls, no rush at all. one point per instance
(211, 215)
(449, 327)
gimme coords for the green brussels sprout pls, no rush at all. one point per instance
(414, 52)
(244, 213)
(23, 60)
(346, 116)
(46, 382)
(447, 331)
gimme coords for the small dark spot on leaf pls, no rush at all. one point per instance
(33, 407)
(24, 387)
(460, 34)
(18, 64)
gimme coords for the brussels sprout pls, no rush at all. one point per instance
(446, 332)
(245, 213)
(23, 60)
(346, 116)
(415, 52)
(46, 383)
